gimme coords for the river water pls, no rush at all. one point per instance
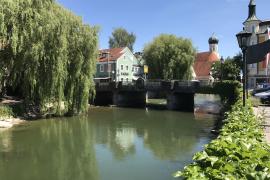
(105, 144)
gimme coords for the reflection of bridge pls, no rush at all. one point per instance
(179, 94)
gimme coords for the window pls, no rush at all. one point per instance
(122, 79)
(127, 79)
(132, 69)
(101, 68)
(127, 68)
(122, 67)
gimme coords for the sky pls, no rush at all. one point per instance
(193, 19)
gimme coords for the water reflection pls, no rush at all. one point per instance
(107, 143)
(165, 134)
(50, 150)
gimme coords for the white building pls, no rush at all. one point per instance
(117, 64)
(258, 72)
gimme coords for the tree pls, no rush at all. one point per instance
(170, 57)
(229, 70)
(48, 53)
(238, 60)
(121, 38)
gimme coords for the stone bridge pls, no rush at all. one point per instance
(179, 94)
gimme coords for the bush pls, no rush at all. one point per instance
(229, 91)
(5, 112)
(240, 151)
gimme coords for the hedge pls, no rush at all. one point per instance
(229, 91)
(239, 152)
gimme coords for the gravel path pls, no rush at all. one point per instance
(264, 111)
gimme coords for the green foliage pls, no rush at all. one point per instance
(229, 70)
(240, 151)
(48, 54)
(122, 38)
(229, 91)
(170, 57)
(5, 111)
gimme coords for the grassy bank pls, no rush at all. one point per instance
(239, 152)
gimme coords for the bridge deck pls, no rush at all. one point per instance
(150, 85)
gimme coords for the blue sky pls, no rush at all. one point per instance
(193, 19)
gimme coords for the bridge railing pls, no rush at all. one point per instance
(121, 85)
(151, 85)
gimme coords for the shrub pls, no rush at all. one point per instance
(5, 112)
(229, 91)
(240, 151)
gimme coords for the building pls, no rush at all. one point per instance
(117, 64)
(258, 72)
(140, 66)
(204, 61)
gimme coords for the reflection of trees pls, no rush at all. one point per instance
(167, 134)
(57, 150)
(113, 132)
(64, 148)
(5, 140)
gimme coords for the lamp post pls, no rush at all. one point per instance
(243, 39)
(221, 68)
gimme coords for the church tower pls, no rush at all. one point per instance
(213, 44)
(252, 22)
(252, 11)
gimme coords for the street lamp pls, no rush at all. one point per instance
(243, 39)
(221, 67)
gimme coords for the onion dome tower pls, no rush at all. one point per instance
(213, 43)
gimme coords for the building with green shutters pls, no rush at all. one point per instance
(117, 64)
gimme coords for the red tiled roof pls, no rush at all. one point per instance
(203, 63)
(114, 53)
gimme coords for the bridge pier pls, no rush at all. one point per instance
(103, 98)
(130, 98)
(180, 101)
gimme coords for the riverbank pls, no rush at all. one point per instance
(239, 152)
(9, 122)
(7, 115)
(264, 113)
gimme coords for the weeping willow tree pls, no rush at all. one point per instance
(48, 53)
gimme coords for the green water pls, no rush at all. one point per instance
(105, 144)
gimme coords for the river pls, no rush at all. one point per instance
(105, 144)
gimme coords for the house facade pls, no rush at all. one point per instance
(117, 64)
(204, 61)
(258, 72)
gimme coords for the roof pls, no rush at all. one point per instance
(265, 22)
(213, 39)
(203, 63)
(252, 18)
(114, 54)
(252, 12)
(252, 3)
